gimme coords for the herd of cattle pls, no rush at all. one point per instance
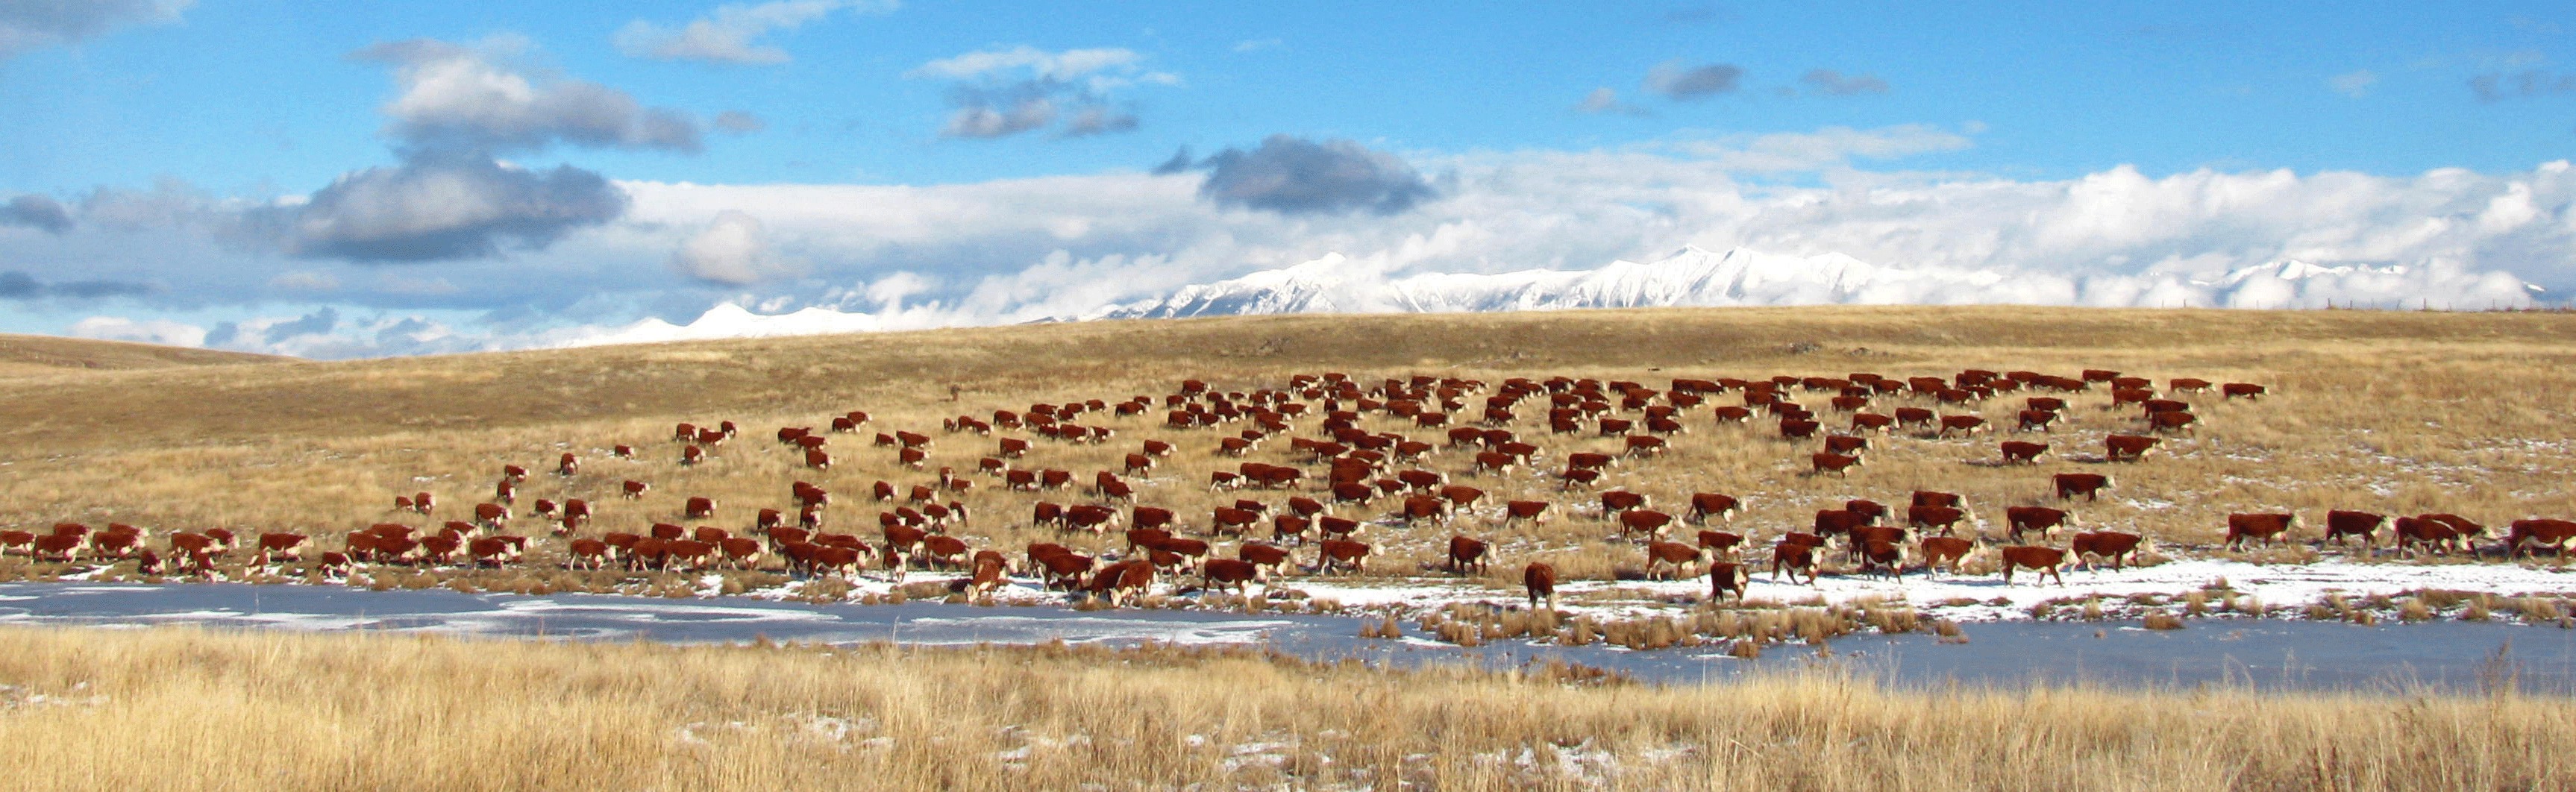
(1338, 479)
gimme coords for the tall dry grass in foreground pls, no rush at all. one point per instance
(182, 709)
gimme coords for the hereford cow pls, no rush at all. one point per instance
(2171, 421)
(1939, 518)
(1945, 551)
(2089, 485)
(2112, 546)
(1646, 521)
(2128, 448)
(1871, 422)
(2526, 536)
(1337, 553)
(2245, 390)
(1796, 559)
(1466, 554)
(1533, 511)
(1725, 578)
(2340, 524)
(2018, 452)
(1828, 462)
(2045, 560)
(1671, 560)
(1539, 580)
(2041, 420)
(2265, 528)
(1848, 445)
(1709, 504)
(1962, 424)
(2024, 519)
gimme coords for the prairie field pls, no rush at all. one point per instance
(186, 709)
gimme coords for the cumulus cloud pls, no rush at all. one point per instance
(1677, 81)
(739, 122)
(729, 34)
(732, 250)
(148, 331)
(1003, 92)
(1606, 100)
(1293, 175)
(432, 208)
(2355, 84)
(456, 98)
(27, 26)
(1834, 83)
(38, 212)
(2529, 83)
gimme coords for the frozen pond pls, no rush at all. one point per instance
(2265, 654)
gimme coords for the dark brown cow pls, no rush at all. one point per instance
(1871, 422)
(2340, 523)
(1912, 416)
(2018, 452)
(2089, 485)
(1466, 554)
(1342, 527)
(2525, 536)
(1726, 577)
(1533, 511)
(1939, 518)
(2265, 528)
(2128, 448)
(1424, 507)
(1709, 504)
(422, 502)
(1883, 557)
(1680, 558)
(1587, 461)
(1848, 445)
(492, 514)
(2023, 519)
(1616, 501)
(2045, 560)
(2414, 531)
(1122, 581)
(1823, 462)
(1227, 519)
(1795, 429)
(1338, 553)
(818, 459)
(2188, 385)
(1461, 497)
(2246, 390)
(2112, 546)
(1720, 543)
(2042, 420)
(1539, 580)
(1839, 522)
(1945, 551)
(2171, 421)
(691, 455)
(1936, 498)
(699, 508)
(1796, 559)
(1870, 511)
(1645, 445)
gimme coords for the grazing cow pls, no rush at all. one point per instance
(491, 514)
(1269, 558)
(2041, 420)
(1424, 507)
(1227, 519)
(1724, 578)
(1220, 574)
(1338, 553)
(1945, 551)
(505, 492)
(2044, 560)
(1122, 581)
(2526, 536)
(1939, 518)
(1646, 521)
(1539, 580)
(691, 455)
(1796, 429)
(567, 465)
(1616, 501)
(699, 508)
(2018, 452)
(818, 459)
(513, 473)
(1933, 498)
(421, 502)
(1828, 462)
(2127, 448)
(941, 551)
(1720, 543)
(1461, 497)
(2089, 485)
(1533, 511)
(2112, 546)
(1680, 558)
(1963, 424)
(2245, 390)
(285, 546)
(634, 489)
(1796, 559)
(2022, 519)
(1837, 522)
(2265, 528)
(1709, 504)
(1466, 554)
(2340, 524)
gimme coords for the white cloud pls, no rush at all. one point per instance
(728, 34)
(1001, 92)
(732, 250)
(149, 331)
(2355, 84)
(30, 24)
(470, 99)
(1606, 100)
(1259, 45)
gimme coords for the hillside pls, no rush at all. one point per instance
(22, 355)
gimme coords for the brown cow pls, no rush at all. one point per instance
(1465, 554)
(2041, 420)
(1533, 511)
(2022, 519)
(1839, 522)
(2525, 536)
(1645, 521)
(1945, 551)
(2247, 390)
(2018, 452)
(2340, 524)
(1871, 422)
(1940, 518)
(1884, 557)
(1679, 557)
(1227, 519)
(699, 508)
(1828, 462)
(1963, 424)
(2171, 421)
(1726, 577)
(2089, 485)
(2128, 448)
(1424, 507)
(634, 489)
(1709, 504)
(1339, 553)
(1936, 498)
(1539, 580)
(1796, 559)
(2112, 546)
(2045, 560)
(2265, 528)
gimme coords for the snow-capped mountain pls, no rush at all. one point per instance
(1698, 277)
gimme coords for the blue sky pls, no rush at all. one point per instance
(188, 150)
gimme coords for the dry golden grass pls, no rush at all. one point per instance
(182, 709)
(2398, 412)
